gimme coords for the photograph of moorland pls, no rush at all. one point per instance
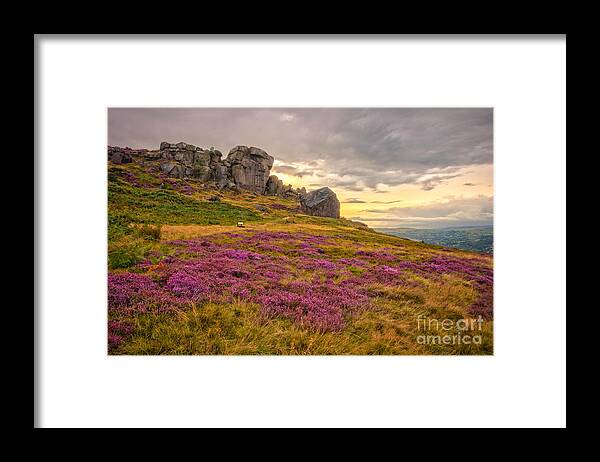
(300, 231)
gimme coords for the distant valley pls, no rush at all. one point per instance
(473, 238)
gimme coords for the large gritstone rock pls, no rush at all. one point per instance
(173, 169)
(321, 203)
(274, 186)
(191, 161)
(244, 169)
(119, 155)
(249, 168)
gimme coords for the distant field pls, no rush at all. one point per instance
(476, 238)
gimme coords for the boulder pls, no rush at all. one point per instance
(321, 203)
(194, 162)
(185, 146)
(220, 174)
(184, 156)
(225, 184)
(249, 168)
(153, 155)
(116, 157)
(173, 169)
(201, 164)
(274, 186)
(119, 155)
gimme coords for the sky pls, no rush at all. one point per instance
(390, 167)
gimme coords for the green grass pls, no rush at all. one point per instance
(160, 206)
(136, 214)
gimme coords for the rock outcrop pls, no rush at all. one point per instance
(184, 160)
(275, 187)
(249, 168)
(244, 169)
(321, 203)
(119, 155)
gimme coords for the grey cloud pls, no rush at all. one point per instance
(364, 147)
(374, 211)
(294, 171)
(388, 219)
(352, 184)
(288, 169)
(353, 200)
(434, 181)
(476, 206)
(452, 211)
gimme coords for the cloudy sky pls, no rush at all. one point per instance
(425, 167)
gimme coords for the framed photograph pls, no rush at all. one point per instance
(338, 231)
(299, 231)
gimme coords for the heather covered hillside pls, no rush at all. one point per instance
(184, 278)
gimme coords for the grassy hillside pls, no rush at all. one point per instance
(184, 279)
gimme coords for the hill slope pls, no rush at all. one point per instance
(184, 279)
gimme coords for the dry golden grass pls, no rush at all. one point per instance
(174, 232)
(237, 329)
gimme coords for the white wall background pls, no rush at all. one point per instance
(522, 385)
